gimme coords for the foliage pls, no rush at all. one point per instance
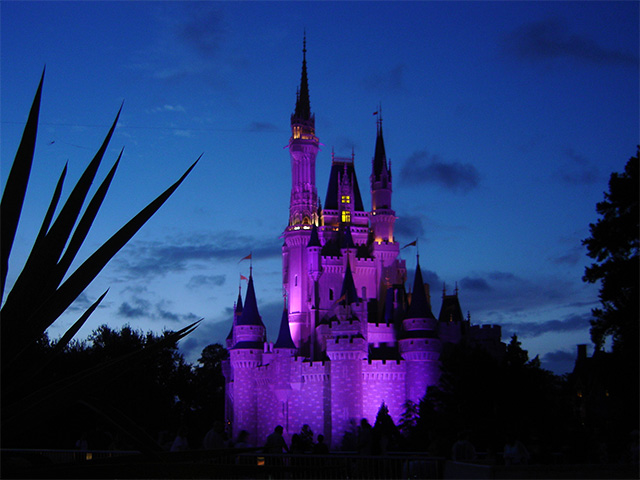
(46, 286)
(614, 245)
(491, 397)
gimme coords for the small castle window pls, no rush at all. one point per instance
(331, 294)
(295, 281)
(346, 216)
(346, 198)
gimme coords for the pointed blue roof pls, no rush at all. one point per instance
(314, 240)
(379, 157)
(331, 200)
(346, 239)
(236, 313)
(419, 306)
(250, 314)
(349, 291)
(284, 336)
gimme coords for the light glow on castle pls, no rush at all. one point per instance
(351, 337)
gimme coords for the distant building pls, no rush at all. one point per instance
(351, 337)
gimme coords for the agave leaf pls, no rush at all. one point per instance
(16, 186)
(85, 223)
(37, 281)
(70, 333)
(92, 266)
(72, 386)
(52, 206)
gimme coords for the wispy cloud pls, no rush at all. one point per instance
(176, 255)
(263, 127)
(423, 167)
(198, 281)
(387, 80)
(409, 227)
(551, 39)
(169, 108)
(577, 169)
(203, 29)
(571, 323)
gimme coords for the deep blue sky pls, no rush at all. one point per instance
(503, 122)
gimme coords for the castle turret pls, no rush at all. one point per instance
(249, 335)
(382, 216)
(419, 345)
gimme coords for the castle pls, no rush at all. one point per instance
(351, 337)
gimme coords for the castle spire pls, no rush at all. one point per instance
(250, 314)
(284, 335)
(302, 113)
(379, 157)
(419, 306)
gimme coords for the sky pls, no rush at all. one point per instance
(502, 121)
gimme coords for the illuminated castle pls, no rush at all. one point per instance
(350, 337)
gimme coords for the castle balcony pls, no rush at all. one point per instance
(413, 324)
(413, 348)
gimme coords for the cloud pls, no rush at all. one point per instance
(263, 127)
(571, 257)
(169, 108)
(423, 167)
(203, 30)
(571, 323)
(559, 362)
(128, 311)
(409, 227)
(578, 170)
(477, 284)
(388, 80)
(551, 39)
(176, 255)
(183, 133)
(198, 281)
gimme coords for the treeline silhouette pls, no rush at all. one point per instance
(158, 393)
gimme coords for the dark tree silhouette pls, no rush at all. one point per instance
(614, 245)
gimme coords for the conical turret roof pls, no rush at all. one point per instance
(314, 240)
(349, 294)
(284, 335)
(419, 306)
(379, 157)
(346, 239)
(250, 314)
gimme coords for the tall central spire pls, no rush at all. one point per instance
(302, 115)
(303, 106)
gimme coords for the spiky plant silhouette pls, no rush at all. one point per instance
(45, 287)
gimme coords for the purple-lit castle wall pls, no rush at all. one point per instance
(351, 338)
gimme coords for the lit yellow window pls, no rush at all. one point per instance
(346, 216)
(346, 198)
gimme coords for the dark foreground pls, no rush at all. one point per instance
(251, 464)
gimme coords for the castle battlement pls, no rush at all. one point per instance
(486, 332)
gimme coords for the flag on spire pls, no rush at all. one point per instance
(412, 244)
(248, 257)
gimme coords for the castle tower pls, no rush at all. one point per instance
(382, 216)
(303, 213)
(419, 344)
(249, 335)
